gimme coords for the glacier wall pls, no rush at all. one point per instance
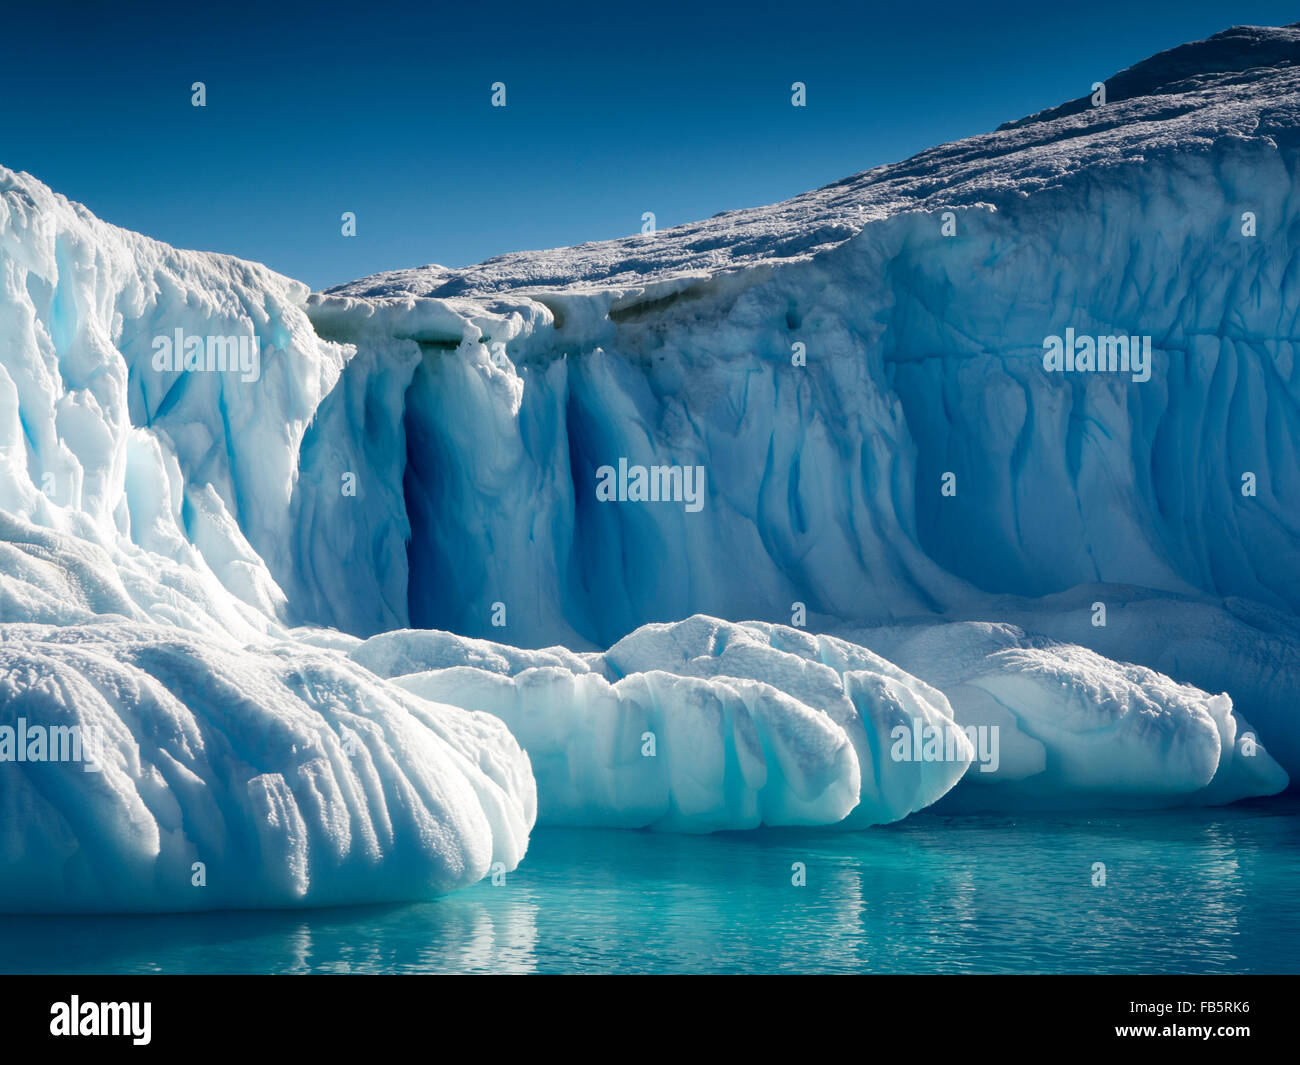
(919, 296)
(924, 357)
(194, 468)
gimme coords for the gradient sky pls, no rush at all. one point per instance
(681, 108)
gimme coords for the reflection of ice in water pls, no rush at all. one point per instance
(485, 931)
(1221, 892)
(1198, 891)
(517, 940)
(496, 939)
(299, 948)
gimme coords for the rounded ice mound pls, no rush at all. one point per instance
(698, 726)
(875, 702)
(1235, 645)
(1068, 727)
(661, 751)
(147, 769)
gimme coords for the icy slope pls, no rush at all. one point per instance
(1234, 86)
(100, 443)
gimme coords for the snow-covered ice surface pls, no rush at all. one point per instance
(698, 726)
(1046, 722)
(1076, 729)
(288, 775)
(277, 596)
(1237, 86)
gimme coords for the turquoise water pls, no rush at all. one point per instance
(1186, 891)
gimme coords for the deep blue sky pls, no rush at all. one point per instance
(681, 108)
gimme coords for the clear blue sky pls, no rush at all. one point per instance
(681, 108)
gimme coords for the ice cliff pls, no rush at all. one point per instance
(298, 602)
(923, 357)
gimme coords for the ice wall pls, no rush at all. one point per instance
(833, 362)
(1168, 214)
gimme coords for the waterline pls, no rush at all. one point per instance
(1195, 890)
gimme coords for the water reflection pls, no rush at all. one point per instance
(1193, 890)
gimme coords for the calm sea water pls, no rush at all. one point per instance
(1186, 891)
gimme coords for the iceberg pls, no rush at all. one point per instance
(219, 777)
(799, 515)
(1075, 729)
(693, 726)
(699, 726)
